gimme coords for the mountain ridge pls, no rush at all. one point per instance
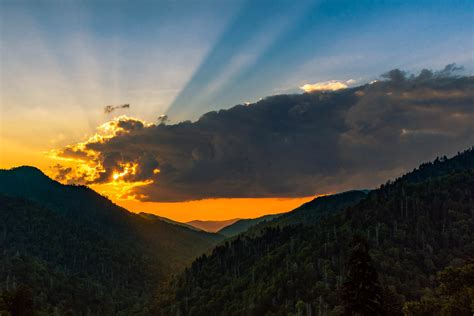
(415, 226)
(244, 224)
(77, 237)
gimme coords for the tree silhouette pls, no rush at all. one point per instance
(361, 293)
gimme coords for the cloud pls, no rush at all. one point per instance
(111, 108)
(331, 85)
(62, 173)
(286, 145)
(163, 119)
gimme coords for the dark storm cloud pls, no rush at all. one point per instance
(111, 108)
(297, 145)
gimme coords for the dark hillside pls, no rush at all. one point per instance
(78, 251)
(414, 229)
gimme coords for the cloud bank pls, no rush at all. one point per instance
(286, 145)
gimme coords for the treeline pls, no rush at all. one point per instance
(414, 227)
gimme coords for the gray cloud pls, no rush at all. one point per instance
(111, 108)
(295, 145)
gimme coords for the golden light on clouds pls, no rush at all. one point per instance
(79, 164)
(331, 85)
(84, 163)
(127, 169)
(119, 190)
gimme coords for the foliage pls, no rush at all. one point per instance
(453, 296)
(69, 266)
(361, 293)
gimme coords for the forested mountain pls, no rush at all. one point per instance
(69, 267)
(243, 225)
(68, 250)
(79, 252)
(414, 227)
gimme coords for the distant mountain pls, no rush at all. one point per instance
(154, 217)
(72, 246)
(415, 226)
(243, 225)
(211, 226)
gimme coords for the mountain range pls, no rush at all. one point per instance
(302, 262)
(71, 240)
(67, 250)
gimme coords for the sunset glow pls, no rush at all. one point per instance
(216, 209)
(68, 98)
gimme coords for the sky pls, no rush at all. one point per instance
(63, 62)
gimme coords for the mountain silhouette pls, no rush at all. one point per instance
(413, 228)
(70, 241)
(243, 225)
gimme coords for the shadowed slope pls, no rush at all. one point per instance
(243, 225)
(415, 226)
(90, 248)
(174, 244)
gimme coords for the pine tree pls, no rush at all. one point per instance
(361, 293)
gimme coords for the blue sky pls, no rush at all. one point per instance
(184, 58)
(276, 48)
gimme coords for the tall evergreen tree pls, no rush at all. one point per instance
(361, 293)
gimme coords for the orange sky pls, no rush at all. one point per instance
(31, 151)
(206, 209)
(12, 155)
(216, 209)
